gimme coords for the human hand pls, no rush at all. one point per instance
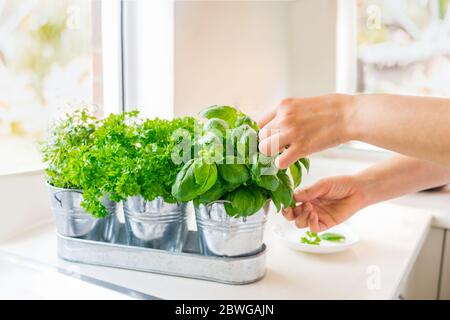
(305, 126)
(327, 203)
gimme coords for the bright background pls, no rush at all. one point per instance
(179, 57)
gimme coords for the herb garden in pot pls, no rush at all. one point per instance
(154, 168)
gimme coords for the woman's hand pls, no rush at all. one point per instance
(413, 126)
(333, 200)
(327, 203)
(305, 126)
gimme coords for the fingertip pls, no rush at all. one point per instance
(286, 158)
(277, 162)
(262, 146)
(314, 222)
(300, 224)
(280, 162)
(288, 214)
(312, 192)
(262, 134)
(265, 119)
(300, 195)
(261, 123)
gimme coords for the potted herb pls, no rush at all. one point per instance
(231, 184)
(66, 151)
(132, 159)
(153, 216)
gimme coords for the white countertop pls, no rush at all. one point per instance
(391, 237)
(22, 278)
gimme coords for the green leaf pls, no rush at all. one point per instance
(245, 143)
(310, 238)
(270, 183)
(245, 201)
(333, 237)
(305, 162)
(284, 193)
(276, 202)
(245, 120)
(264, 165)
(183, 188)
(220, 188)
(217, 124)
(296, 172)
(226, 113)
(194, 179)
(233, 172)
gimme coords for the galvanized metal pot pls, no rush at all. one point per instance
(73, 221)
(222, 235)
(155, 224)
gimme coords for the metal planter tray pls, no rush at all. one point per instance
(188, 263)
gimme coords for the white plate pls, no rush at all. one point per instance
(290, 236)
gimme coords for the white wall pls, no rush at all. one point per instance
(230, 52)
(313, 45)
(252, 53)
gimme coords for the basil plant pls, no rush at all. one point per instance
(227, 166)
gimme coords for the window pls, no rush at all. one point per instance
(400, 47)
(397, 47)
(50, 61)
(404, 47)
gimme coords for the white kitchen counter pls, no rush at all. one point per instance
(391, 237)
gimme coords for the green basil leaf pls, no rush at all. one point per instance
(245, 201)
(226, 113)
(247, 146)
(231, 211)
(201, 171)
(334, 237)
(260, 198)
(217, 124)
(305, 162)
(205, 175)
(194, 179)
(310, 238)
(276, 201)
(296, 173)
(244, 119)
(284, 193)
(270, 183)
(264, 165)
(242, 142)
(233, 172)
(215, 192)
(185, 187)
